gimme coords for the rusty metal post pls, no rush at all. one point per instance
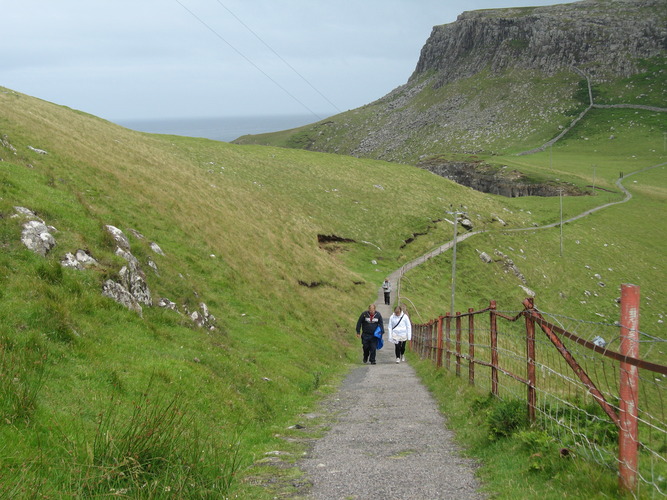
(458, 344)
(629, 385)
(448, 331)
(438, 363)
(530, 362)
(471, 347)
(430, 347)
(415, 338)
(569, 359)
(494, 348)
(434, 340)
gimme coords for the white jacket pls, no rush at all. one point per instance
(399, 327)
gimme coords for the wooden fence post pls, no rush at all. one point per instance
(530, 363)
(629, 385)
(494, 348)
(471, 347)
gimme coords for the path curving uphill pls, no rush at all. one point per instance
(389, 439)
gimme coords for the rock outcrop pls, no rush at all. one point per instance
(503, 181)
(131, 290)
(36, 235)
(601, 37)
(80, 260)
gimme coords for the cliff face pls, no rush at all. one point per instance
(602, 37)
(506, 80)
(487, 179)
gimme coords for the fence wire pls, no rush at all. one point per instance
(565, 407)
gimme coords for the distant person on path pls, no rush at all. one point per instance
(400, 332)
(366, 325)
(386, 288)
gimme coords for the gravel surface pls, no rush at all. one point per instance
(389, 440)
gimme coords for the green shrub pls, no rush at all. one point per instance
(506, 417)
(482, 403)
(588, 419)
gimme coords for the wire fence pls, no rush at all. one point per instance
(599, 396)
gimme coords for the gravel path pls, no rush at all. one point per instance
(389, 440)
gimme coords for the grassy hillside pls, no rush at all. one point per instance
(467, 116)
(487, 114)
(620, 243)
(96, 399)
(239, 228)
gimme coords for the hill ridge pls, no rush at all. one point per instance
(502, 81)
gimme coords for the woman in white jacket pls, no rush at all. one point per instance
(400, 331)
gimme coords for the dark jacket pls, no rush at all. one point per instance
(366, 326)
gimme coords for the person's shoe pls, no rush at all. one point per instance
(372, 362)
(403, 358)
(365, 361)
(398, 360)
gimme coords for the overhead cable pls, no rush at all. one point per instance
(279, 56)
(248, 59)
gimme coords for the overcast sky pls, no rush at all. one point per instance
(152, 59)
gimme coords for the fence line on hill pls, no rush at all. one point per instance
(591, 386)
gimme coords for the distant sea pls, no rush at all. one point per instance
(220, 129)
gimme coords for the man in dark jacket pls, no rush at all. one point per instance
(366, 326)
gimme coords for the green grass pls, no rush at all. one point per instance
(95, 397)
(517, 461)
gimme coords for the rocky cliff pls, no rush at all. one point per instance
(605, 38)
(505, 80)
(496, 180)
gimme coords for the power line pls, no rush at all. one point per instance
(279, 56)
(247, 59)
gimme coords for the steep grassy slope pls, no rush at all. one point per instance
(97, 399)
(239, 228)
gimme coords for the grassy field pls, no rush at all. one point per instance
(97, 400)
(621, 242)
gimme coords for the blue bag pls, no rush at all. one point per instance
(378, 335)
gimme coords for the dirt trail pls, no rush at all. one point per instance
(389, 439)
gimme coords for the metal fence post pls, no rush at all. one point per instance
(471, 347)
(629, 385)
(458, 344)
(494, 348)
(433, 353)
(530, 363)
(438, 363)
(448, 331)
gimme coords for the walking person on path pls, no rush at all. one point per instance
(366, 325)
(386, 288)
(400, 332)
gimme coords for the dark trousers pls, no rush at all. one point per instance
(370, 345)
(399, 348)
(386, 298)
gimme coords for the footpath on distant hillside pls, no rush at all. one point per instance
(389, 439)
